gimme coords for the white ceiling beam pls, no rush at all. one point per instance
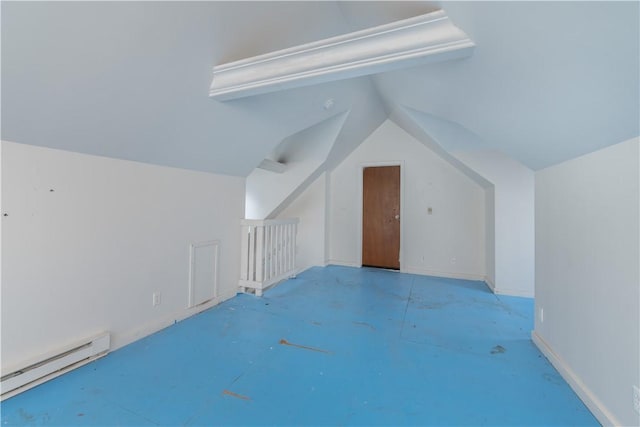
(272, 166)
(422, 39)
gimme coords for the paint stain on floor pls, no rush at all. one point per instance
(236, 395)
(405, 351)
(304, 347)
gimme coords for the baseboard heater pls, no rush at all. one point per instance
(49, 367)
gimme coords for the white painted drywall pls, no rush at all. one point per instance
(490, 236)
(87, 240)
(309, 207)
(588, 275)
(302, 154)
(513, 224)
(450, 242)
(509, 187)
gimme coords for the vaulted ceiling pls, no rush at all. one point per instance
(547, 81)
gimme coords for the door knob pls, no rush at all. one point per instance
(397, 216)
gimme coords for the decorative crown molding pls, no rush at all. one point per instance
(422, 39)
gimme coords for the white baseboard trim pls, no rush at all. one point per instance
(343, 263)
(156, 325)
(513, 292)
(490, 284)
(604, 416)
(450, 275)
(508, 292)
(303, 269)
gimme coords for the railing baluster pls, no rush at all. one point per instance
(252, 254)
(295, 243)
(274, 249)
(279, 259)
(267, 252)
(291, 248)
(287, 245)
(244, 252)
(259, 254)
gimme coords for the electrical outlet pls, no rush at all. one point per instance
(157, 298)
(636, 399)
(453, 260)
(541, 315)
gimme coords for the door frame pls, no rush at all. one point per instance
(363, 165)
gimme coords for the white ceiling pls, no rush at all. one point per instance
(548, 81)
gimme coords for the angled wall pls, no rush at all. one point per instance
(303, 154)
(510, 197)
(513, 220)
(310, 207)
(588, 277)
(87, 240)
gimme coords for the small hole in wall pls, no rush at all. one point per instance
(328, 104)
(51, 190)
(5, 214)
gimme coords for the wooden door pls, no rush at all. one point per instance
(381, 217)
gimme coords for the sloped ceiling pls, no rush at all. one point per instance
(548, 81)
(130, 80)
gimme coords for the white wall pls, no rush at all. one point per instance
(588, 276)
(514, 224)
(303, 154)
(87, 256)
(490, 235)
(310, 208)
(450, 242)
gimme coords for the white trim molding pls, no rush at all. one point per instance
(415, 41)
(506, 291)
(513, 292)
(597, 408)
(343, 263)
(490, 284)
(446, 274)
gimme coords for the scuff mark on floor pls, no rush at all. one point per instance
(25, 415)
(552, 378)
(366, 325)
(432, 306)
(319, 350)
(498, 349)
(236, 395)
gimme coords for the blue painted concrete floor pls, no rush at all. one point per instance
(336, 346)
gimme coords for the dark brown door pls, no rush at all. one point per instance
(381, 217)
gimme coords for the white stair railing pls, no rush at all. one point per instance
(268, 252)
